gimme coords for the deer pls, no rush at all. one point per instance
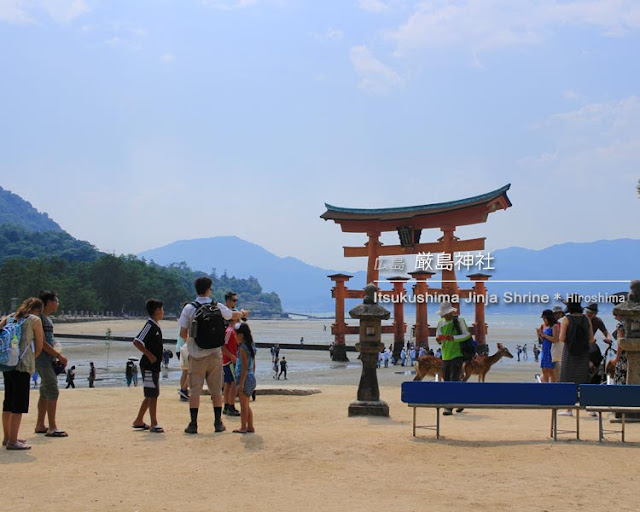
(427, 366)
(480, 365)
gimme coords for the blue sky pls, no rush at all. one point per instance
(137, 123)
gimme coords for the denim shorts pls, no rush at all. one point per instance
(249, 384)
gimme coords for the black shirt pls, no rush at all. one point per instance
(151, 337)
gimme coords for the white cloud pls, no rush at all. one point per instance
(26, 11)
(598, 140)
(64, 11)
(375, 76)
(168, 57)
(483, 25)
(229, 5)
(372, 5)
(331, 34)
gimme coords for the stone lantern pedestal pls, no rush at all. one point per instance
(370, 315)
(630, 339)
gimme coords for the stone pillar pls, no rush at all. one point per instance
(420, 291)
(630, 341)
(480, 292)
(339, 327)
(370, 315)
(399, 327)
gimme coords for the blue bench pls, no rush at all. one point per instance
(492, 395)
(612, 399)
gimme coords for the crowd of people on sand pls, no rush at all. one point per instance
(215, 345)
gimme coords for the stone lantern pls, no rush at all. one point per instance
(370, 315)
(630, 339)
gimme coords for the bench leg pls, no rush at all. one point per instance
(600, 432)
(578, 424)
(437, 422)
(414, 421)
(554, 422)
(623, 418)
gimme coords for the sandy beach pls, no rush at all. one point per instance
(307, 454)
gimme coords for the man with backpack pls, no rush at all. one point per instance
(202, 324)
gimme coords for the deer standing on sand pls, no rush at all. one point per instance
(428, 366)
(480, 365)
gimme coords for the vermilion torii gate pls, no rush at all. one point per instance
(408, 222)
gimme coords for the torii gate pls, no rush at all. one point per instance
(409, 221)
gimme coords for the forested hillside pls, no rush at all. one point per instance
(33, 258)
(17, 211)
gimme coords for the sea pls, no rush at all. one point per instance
(305, 366)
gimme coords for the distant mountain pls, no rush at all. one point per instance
(301, 287)
(306, 288)
(16, 211)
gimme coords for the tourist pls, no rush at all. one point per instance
(301, 341)
(182, 353)
(149, 342)
(92, 374)
(439, 353)
(204, 364)
(245, 376)
(451, 331)
(276, 367)
(620, 361)
(229, 357)
(576, 333)
(283, 368)
(403, 356)
(46, 422)
(17, 381)
(548, 334)
(386, 356)
(412, 354)
(134, 370)
(558, 348)
(525, 355)
(595, 354)
(519, 352)
(71, 375)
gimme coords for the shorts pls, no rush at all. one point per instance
(229, 373)
(207, 368)
(249, 384)
(48, 382)
(16, 392)
(150, 383)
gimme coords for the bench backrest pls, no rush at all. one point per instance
(609, 396)
(490, 393)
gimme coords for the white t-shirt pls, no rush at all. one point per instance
(186, 317)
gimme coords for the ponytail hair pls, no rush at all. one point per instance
(28, 307)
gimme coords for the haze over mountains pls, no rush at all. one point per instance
(306, 288)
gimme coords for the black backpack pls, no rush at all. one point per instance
(577, 336)
(208, 325)
(467, 347)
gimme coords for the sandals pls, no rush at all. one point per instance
(56, 433)
(156, 429)
(144, 426)
(18, 446)
(237, 431)
(5, 442)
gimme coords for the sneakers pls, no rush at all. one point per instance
(565, 413)
(184, 395)
(460, 409)
(230, 410)
(219, 427)
(192, 428)
(447, 412)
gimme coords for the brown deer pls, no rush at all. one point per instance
(427, 366)
(480, 365)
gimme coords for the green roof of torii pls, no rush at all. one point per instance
(341, 213)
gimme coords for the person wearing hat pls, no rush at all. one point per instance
(596, 322)
(577, 335)
(558, 347)
(451, 331)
